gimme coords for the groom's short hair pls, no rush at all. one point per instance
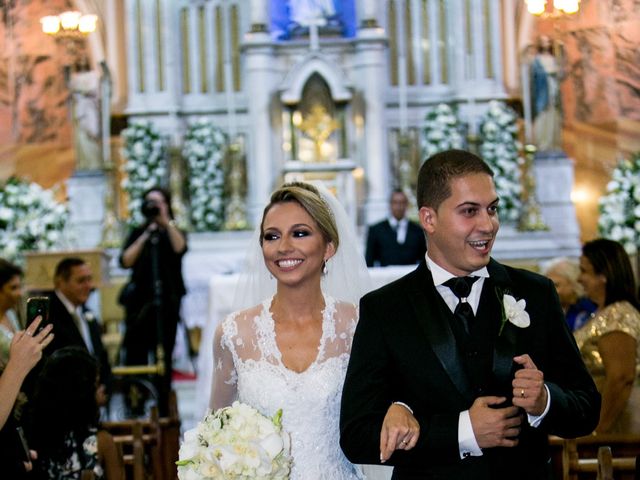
(436, 173)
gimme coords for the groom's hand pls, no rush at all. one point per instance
(400, 431)
(494, 427)
(528, 387)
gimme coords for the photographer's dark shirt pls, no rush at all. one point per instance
(169, 267)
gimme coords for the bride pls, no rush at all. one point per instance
(291, 350)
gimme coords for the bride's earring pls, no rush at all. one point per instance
(325, 270)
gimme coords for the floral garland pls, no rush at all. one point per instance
(499, 147)
(620, 206)
(30, 219)
(441, 130)
(204, 149)
(146, 164)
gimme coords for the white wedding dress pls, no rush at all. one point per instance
(249, 367)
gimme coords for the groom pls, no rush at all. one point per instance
(444, 382)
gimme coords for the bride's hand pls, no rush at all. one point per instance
(400, 431)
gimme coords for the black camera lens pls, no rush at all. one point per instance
(150, 209)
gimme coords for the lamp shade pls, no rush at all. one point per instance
(50, 24)
(70, 20)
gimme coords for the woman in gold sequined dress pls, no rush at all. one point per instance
(610, 340)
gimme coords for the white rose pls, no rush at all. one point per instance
(138, 149)
(272, 444)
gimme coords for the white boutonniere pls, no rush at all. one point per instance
(513, 311)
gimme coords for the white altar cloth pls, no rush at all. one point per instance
(221, 293)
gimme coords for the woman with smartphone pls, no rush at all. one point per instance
(10, 294)
(25, 351)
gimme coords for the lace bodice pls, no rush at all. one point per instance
(248, 366)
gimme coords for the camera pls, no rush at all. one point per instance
(150, 209)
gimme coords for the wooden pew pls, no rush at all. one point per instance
(579, 457)
(140, 439)
(170, 427)
(610, 467)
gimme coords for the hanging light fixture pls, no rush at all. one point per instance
(69, 24)
(539, 7)
(536, 7)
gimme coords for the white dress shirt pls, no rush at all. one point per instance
(400, 226)
(79, 319)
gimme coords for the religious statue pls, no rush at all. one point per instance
(305, 13)
(545, 96)
(85, 108)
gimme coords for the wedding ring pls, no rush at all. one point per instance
(27, 332)
(522, 392)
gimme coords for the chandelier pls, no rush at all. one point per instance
(69, 24)
(539, 7)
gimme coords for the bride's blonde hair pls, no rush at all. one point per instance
(308, 197)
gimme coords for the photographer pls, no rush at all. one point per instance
(154, 252)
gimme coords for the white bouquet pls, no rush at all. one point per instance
(234, 443)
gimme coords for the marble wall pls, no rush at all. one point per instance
(600, 95)
(602, 60)
(33, 95)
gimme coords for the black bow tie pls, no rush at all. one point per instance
(461, 288)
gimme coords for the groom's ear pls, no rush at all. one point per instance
(427, 216)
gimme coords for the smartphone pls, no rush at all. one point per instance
(38, 306)
(23, 442)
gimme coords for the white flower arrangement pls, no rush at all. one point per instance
(441, 130)
(145, 153)
(499, 147)
(204, 148)
(234, 443)
(620, 206)
(30, 219)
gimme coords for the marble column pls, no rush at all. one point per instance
(554, 175)
(86, 191)
(116, 51)
(259, 16)
(370, 75)
(368, 13)
(261, 81)
(435, 61)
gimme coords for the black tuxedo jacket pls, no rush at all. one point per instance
(66, 333)
(383, 247)
(405, 350)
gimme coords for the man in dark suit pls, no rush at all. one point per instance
(396, 240)
(72, 321)
(451, 384)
